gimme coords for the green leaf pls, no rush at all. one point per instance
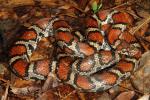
(94, 6)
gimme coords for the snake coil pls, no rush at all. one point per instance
(96, 61)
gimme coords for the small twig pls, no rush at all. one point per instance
(69, 15)
(6, 81)
(140, 39)
(79, 9)
(139, 26)
(4, 97)
(48, 83)
(123, 4)
(64, 98)
(130, 89)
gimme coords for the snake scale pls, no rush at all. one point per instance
(95, 61)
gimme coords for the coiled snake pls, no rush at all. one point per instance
(95, 61)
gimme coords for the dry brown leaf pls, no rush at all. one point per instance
(28, 90)
(22, 83)
(14, 3)
(145, 97)
(125, 95)
(141, 78)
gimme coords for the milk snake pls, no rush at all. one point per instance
(95, 61)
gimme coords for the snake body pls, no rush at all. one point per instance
(95, 61)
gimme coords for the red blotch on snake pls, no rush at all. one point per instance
(20, 66)
(18, 50)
